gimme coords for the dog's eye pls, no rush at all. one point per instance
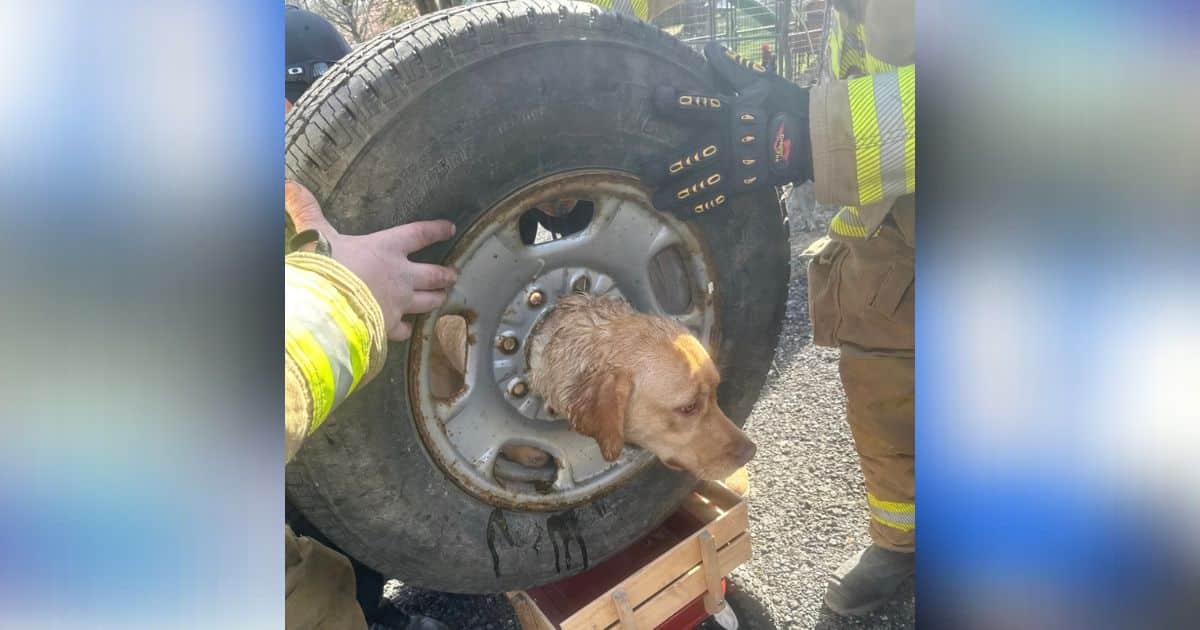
(689, 409)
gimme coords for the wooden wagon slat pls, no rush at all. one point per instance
(528, 613)
(714, 598)
(660, 607)
(674, 580)
(624, 610)
(650, 579)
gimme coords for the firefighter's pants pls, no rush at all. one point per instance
(861, 300)
(318, 587)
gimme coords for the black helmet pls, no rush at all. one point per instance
(311, 46)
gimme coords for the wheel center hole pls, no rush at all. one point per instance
(554, 220)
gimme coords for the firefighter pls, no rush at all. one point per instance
(344, 298)
(853, 135)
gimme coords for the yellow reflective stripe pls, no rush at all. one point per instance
(847, 222)
(852, 54)
(305, 350)
(641, 9)
(851, 61)
(327, 339)
(353, 328)
(844, 49)
(876, 66)
(895, 514)
(835, 45)
(898, 507)
(866, 139)
(908, 101)
(872, 64)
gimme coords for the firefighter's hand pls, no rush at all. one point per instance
(755, 134)
(380, 260)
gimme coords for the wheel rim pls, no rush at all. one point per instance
(626, 249)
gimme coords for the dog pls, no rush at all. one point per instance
(622, 377)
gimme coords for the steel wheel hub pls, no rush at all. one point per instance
(506, 284)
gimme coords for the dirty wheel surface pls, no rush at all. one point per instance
(521, 122)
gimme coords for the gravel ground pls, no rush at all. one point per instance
(807, 502)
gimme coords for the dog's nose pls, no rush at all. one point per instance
(746, 452)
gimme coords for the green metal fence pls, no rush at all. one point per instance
(756, 29)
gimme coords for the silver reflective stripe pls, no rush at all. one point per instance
(309, 313)
(892, 133)
(895, 514)
(889, 517)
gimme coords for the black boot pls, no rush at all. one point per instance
(867, 580)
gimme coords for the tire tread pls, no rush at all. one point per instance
(316, 134)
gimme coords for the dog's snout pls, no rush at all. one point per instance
(744, 451)
(747, 451)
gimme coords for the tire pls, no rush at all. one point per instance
(441, 118)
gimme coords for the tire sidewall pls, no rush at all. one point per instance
(487, 124)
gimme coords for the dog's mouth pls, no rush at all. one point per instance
(672, 464)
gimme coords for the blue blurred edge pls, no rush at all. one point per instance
(141, 469)
(1057, 392)
(141, 472)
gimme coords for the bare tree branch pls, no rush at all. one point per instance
(351, 17)
(360, 20)
(395, 12)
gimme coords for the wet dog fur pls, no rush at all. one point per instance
(620, 376)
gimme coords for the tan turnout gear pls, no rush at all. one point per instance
(879, 405)
(334, 341)
(861, 279)
(318, 587)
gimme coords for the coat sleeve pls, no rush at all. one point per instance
(863, 134)
(334, 341)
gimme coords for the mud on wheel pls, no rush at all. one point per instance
(521, 122)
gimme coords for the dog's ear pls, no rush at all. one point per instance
(601, 414)
(450, 331)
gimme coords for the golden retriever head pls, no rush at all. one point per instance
(625, 377)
